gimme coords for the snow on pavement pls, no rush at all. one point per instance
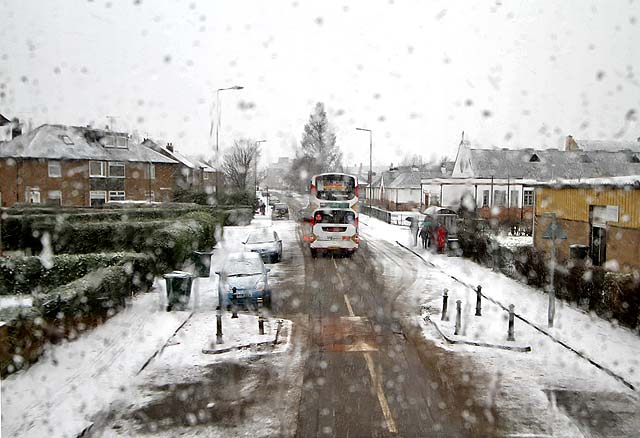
(615, 347)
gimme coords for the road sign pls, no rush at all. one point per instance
(554, 231)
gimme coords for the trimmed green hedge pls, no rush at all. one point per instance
(22, 228)
(61, 313)
(28, 275)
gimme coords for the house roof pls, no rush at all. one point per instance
(608, 145)
(412, 178)
(75, 143)
(549, 164)
(4, 120)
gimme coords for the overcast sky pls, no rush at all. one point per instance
(508, 73)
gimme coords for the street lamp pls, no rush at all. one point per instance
(255, 170)
(219, 111)
(370, 162)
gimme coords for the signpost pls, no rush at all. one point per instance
(552, 232)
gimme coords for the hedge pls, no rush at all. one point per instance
(61, 313)
(609, 294)
(22, 228)
(28, 274)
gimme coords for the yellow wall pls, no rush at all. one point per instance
(573, 203)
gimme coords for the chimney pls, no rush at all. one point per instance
(443, 169)
(570, 144)
(170, 147)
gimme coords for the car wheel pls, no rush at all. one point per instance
(266, 301)
(314, 253)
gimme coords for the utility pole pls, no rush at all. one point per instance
(218, 117)
(370, 176)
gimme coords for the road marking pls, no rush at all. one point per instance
(382, 399)
(348, 303)
(375, 379)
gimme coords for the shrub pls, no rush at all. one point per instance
(27, 274)
(172, 244)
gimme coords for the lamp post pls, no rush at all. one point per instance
(255, 163)
(219, 112)
(370, 163)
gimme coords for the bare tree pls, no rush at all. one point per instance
(238, 163)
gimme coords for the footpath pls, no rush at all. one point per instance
(604, 344)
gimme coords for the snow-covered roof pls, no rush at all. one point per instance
(550, 164)
(61, 142)
(608, 145)
(621, 181)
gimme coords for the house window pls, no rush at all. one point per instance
(534, 158)
(55, 169)
(97, 198)
(528, 198)
(97, 169)
(513, 201)
(116, 170)
(66, 140)
(152, 171)
(33, 196)
(116, 141)
(54, 197)
(485, 198)
(205, 175)
(150, 196)
(500, 198)
(116, 196)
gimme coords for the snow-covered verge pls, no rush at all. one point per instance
(614, 347)
(511, 242)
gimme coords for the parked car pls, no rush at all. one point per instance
(280, 211)
(266, 243)
(273, 200)
(247, 274)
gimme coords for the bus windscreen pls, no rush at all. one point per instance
(335, 187)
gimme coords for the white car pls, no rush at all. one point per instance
(264, 241)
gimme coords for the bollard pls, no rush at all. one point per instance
(218, 325)
(458, 316)
(510, 336)
(479, 301)
(260, 318)
(234, 303)
(445, 299)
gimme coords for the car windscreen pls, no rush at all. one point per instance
(261, 237)
(334, 217)
(335, 187)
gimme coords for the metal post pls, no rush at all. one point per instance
(445, 299)
(552, 268)
(370, 164)
(479, 301)
(510, 336)
(234, 303)
(218, 325)
(458, 317)
(261, 325)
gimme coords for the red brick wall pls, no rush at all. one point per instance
(16, 175)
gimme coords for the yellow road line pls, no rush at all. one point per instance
(375, 380)
(382, 399)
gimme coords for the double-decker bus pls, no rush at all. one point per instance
(334, 221)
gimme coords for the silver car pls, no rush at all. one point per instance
(264, 241)
(245, 279)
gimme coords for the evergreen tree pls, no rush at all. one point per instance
(318, 151)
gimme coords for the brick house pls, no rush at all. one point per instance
(601, 215)
(191, 173)
(78, 166)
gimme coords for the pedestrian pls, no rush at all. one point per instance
(414, 228)
(441, 236)
(262, 207)
(424, 234)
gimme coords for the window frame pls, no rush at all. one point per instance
(111, 194)
(499, 198)
(59, 198)
(526, 194)
(486, 196)
(51, 163)
(103, 169)
(111, 164)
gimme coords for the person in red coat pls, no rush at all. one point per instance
(441, 237)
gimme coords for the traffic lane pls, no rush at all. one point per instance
(390, 368)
